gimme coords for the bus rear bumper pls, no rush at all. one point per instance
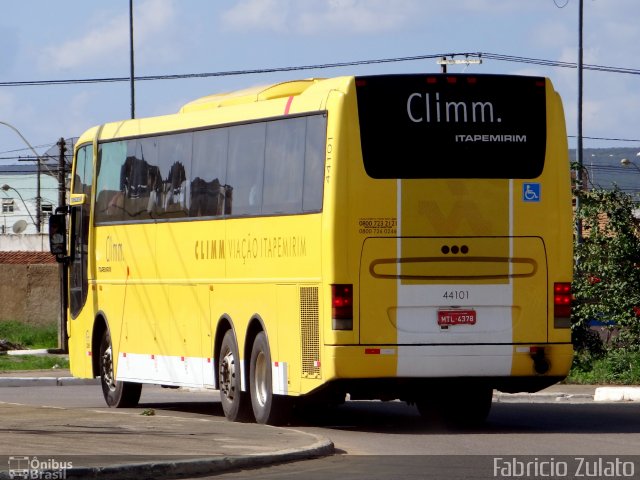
(509, 368)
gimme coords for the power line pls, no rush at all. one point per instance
(226, 73)
(488, 56)
(556, 63)
(609, 139)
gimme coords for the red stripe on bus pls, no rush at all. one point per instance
(372, 351)
(288, 107)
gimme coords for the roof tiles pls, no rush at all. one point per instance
(26, 258)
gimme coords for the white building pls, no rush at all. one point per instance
(18, 218)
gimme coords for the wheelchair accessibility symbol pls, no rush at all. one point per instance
(531, 192)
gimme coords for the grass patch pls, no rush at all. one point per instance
(30, 336)
(617, 367)
(31, 362)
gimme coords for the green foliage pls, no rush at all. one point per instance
(617, 367)
(29, 336)
(31, 362)
(607, 273)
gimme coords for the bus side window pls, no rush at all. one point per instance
(208, 189)
(174, 163)
(245, 167)
(284, 166)
(314, 163)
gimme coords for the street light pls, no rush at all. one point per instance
(625, 162)
(6, 188)
(38, 223)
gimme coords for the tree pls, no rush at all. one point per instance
(607, 272)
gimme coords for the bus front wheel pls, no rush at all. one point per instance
(268, 408)
(116, 393)
(235, 403)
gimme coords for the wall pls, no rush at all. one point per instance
(24, 243)
(30, 293)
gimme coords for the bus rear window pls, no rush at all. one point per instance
(452, 126)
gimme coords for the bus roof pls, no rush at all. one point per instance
(249, 95)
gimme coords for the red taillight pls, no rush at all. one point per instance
(562, 299)
(342, 306)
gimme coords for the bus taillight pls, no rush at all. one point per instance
(342, 307)
(562, 304)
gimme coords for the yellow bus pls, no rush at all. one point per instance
(386, 237)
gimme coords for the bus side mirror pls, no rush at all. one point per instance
(58, 236)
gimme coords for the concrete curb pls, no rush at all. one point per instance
(500, 397)
(617, 394)
(322, 447)
(46, 381)
(200, 466)
(38, 352)
(600, 394)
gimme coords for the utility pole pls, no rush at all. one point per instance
(38, 198)
(580, 72)
(62, 190)
(132, 76)
(63, 338)
(579, 159)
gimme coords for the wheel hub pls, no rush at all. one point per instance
(260, 378)
(227, 376)
(107, 369)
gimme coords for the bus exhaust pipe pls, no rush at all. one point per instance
(540, 363)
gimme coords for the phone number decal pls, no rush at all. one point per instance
(377, 226)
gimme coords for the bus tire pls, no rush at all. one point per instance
(268, 408)
(235, 403)
(117, 394)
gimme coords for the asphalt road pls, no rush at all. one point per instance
(389, 440)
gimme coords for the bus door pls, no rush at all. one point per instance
(80, 215)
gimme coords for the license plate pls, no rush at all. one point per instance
(456, 317)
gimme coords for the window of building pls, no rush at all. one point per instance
(7, 205)
(46, 209)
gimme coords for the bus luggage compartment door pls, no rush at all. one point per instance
(444, 291)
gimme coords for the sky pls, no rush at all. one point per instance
(41, 40)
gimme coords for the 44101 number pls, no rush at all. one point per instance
(456, 295)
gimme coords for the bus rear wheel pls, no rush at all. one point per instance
(235, 403)
(116, 393)
(268, 408)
